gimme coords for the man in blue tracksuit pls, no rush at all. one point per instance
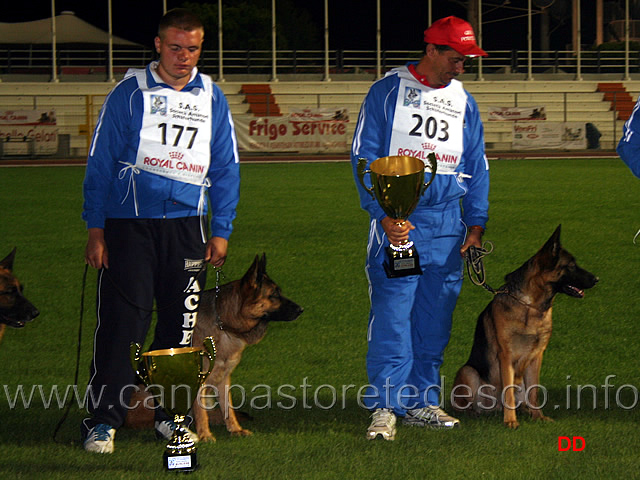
(629, 145)
(413, 111)
(163, 144)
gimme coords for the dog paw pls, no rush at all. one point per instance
(241, 433)
(543, 418)
(513, 425)
(206, 438)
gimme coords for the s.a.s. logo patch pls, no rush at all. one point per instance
(159, 104)
(412, 97)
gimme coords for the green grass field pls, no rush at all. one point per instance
(301, 382)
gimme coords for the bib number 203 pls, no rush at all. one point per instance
(432, 128)
(178, 129)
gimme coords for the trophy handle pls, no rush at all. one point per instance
(134, 351)
(431, 158)
(210, 352)
(362, 171)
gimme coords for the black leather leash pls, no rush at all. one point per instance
(79, 349)
(475, 266)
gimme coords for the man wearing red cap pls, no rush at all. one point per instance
(413, 111)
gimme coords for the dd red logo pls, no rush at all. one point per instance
(575, 444)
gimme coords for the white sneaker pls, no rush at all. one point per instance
(100, 439)
(383, 424)
(166, 428)
(430, 416)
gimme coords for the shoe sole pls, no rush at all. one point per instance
(419, 423)
(389, 437)
(96, 449)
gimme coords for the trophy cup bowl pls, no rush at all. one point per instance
(397, 183)
(174, 377)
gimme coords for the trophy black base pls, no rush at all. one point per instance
(402, 263)
(185, 463)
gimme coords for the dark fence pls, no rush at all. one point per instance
(38, 60)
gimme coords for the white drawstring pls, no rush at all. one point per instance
(201, 207)
(461, 175)
(636, 236)
(132, 185)
(132, 181)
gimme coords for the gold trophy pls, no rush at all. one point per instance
(398, 184)
(174, 377)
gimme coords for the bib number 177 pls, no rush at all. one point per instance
(178, 129)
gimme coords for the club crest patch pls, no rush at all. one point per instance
(412, 97)
(159, 104)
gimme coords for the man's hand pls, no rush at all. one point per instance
(474, 237)
(216, 251)
(397, 230)
(95, 253)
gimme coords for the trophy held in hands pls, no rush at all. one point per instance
(397, 183)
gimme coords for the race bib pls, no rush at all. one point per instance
(176, 132)
(429, 120)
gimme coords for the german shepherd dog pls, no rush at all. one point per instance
(236, 315)
(15, 309)
(513, 332)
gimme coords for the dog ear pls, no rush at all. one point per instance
(550, 251)
(256, 272)
(262, 266)
(251, 276)
(7, 262)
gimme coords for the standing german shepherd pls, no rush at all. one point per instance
(236, 316)
(513, 332)
(15, 309)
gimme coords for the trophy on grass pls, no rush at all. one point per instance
(174, 376)
(398, 184)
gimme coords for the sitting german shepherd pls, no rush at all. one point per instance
(236, 316)
(15, 309)
(512, 334)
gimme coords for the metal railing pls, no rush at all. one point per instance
(32, 59)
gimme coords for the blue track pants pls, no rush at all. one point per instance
(410, 318)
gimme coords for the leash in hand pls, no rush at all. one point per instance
(475, 266)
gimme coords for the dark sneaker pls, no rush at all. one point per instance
(430, 416)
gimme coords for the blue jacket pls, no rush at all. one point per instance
(108, 189)
(372, 138)
(629, 145)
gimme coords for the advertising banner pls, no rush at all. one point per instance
(549, 135)
(28, 132)
(517, 113)
(302, 130)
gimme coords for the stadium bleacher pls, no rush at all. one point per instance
(77, 103)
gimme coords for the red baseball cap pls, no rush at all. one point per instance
(455, 33)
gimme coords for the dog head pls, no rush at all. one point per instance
(15, 309)
(262, 297)
(560, 270)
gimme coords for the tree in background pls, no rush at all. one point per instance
(247, 25)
